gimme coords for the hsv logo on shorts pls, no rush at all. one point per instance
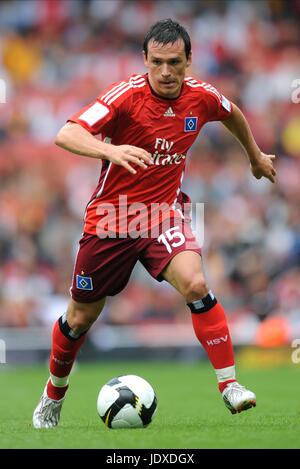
(190, 124)
(84, 283)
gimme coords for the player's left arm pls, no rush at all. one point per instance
(261, 164)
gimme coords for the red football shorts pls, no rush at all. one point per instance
(103, 266)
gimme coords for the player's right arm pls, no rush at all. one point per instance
(75, 138)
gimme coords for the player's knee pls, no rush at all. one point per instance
(81, 317)
(79, 323)
(196, 288)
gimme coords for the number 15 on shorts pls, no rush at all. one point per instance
(172, 238)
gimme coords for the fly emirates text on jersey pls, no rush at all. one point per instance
(165, 146)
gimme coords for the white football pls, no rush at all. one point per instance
(127, 401)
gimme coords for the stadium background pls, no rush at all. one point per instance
(56, 56)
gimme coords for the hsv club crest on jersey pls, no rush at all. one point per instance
(190, 124)
(129, 112)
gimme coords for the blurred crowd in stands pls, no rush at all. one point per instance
(55, 57)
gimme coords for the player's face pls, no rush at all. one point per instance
(166, 67)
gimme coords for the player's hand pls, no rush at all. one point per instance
(263, 167)
(126, 155)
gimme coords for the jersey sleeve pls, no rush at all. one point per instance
(101, 113)
(218, 106)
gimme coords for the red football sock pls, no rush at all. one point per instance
(211, 329)
(56, 392)
(62, 356)
(223, 384)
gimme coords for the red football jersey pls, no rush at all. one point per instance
(129, 112)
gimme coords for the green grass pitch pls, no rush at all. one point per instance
(191, 413)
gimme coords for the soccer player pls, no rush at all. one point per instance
(141, 129)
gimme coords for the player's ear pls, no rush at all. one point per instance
(189, 59)
(145, 59)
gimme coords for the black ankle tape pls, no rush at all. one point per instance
(203, 305)
(66, 330)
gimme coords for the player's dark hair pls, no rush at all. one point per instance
(166, 32)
